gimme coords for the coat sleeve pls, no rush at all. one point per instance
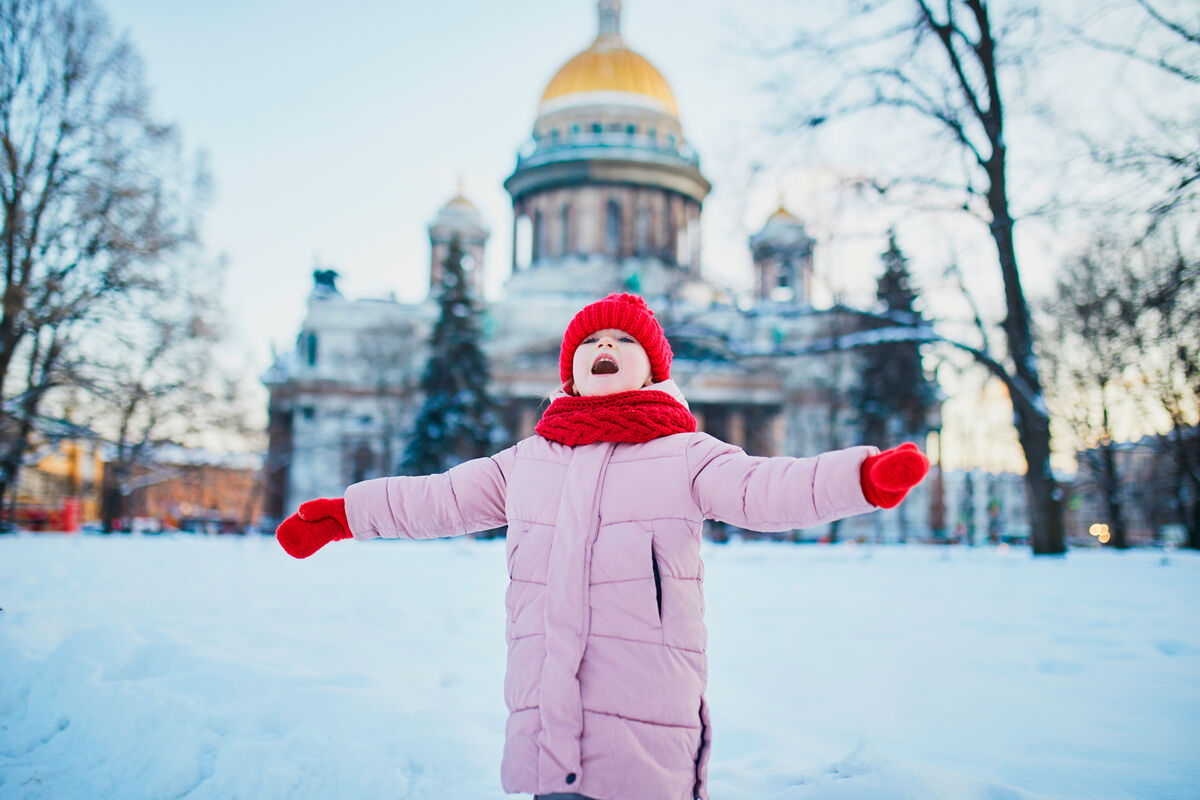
(464, 499)
(775, 494)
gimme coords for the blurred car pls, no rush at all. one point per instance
(212, 526)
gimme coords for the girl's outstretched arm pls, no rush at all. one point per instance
(776, 494)
(464, 499)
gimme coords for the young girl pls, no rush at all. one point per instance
(604, 508)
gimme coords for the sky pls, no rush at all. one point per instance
(333, 136)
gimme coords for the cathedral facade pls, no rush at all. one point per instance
(606, 196)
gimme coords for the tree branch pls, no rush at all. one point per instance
(945, 34)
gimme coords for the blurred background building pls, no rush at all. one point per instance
(59, 486)
(172, 488)
(607, 196)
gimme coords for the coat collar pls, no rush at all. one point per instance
(669, 386)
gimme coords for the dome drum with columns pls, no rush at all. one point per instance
(606, 197)
(608, 176)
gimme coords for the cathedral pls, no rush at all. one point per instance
(606, 196)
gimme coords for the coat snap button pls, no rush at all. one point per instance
(571, 778)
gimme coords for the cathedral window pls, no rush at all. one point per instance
(564, 229)
(785, 276)
(641, 227)
(310, 349)
(539, 230)
(631, 129)
(575, 130)
(364, 464)
(597, 127)
(523, 242)
(554, 135)
(666, 226)
(612, 238)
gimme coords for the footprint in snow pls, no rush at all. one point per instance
(1171, 647)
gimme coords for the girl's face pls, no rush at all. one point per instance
(609, 361)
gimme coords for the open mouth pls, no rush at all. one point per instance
(604, 365)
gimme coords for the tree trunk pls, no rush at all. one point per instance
(1187, 485)
(14, 453)
(112, 501)
(937, 499)
(1193, 529)
(1110, 484)
(1045, 497)
(1033, 422)
(967, 512)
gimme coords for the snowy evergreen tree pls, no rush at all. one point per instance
(458, 420)
(893, 395)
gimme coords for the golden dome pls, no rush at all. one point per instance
(460, 200)
(609, 66)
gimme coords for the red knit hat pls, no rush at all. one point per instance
(625, 312)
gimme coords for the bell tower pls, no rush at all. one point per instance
(458, 219)
(783, 260)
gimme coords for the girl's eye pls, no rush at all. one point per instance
(589, 340)
(627, 339)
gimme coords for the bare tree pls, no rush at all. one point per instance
(1162, 147)
(1166, 338)
(1125, 334)
(941, 69)
(1090, 324)
(92, 190)
(153, 375)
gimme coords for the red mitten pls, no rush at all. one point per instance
(325, 508)
(316, 524)
(887, 477)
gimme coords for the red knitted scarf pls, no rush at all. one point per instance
(636, 416)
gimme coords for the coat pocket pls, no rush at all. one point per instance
(626, 589)
(700, 788)
(657, 583)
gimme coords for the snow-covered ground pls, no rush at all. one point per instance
(166, 667)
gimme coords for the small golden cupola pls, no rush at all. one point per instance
(457, 219)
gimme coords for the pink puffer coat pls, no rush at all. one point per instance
(606, 637)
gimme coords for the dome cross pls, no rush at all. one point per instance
(610, 19)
